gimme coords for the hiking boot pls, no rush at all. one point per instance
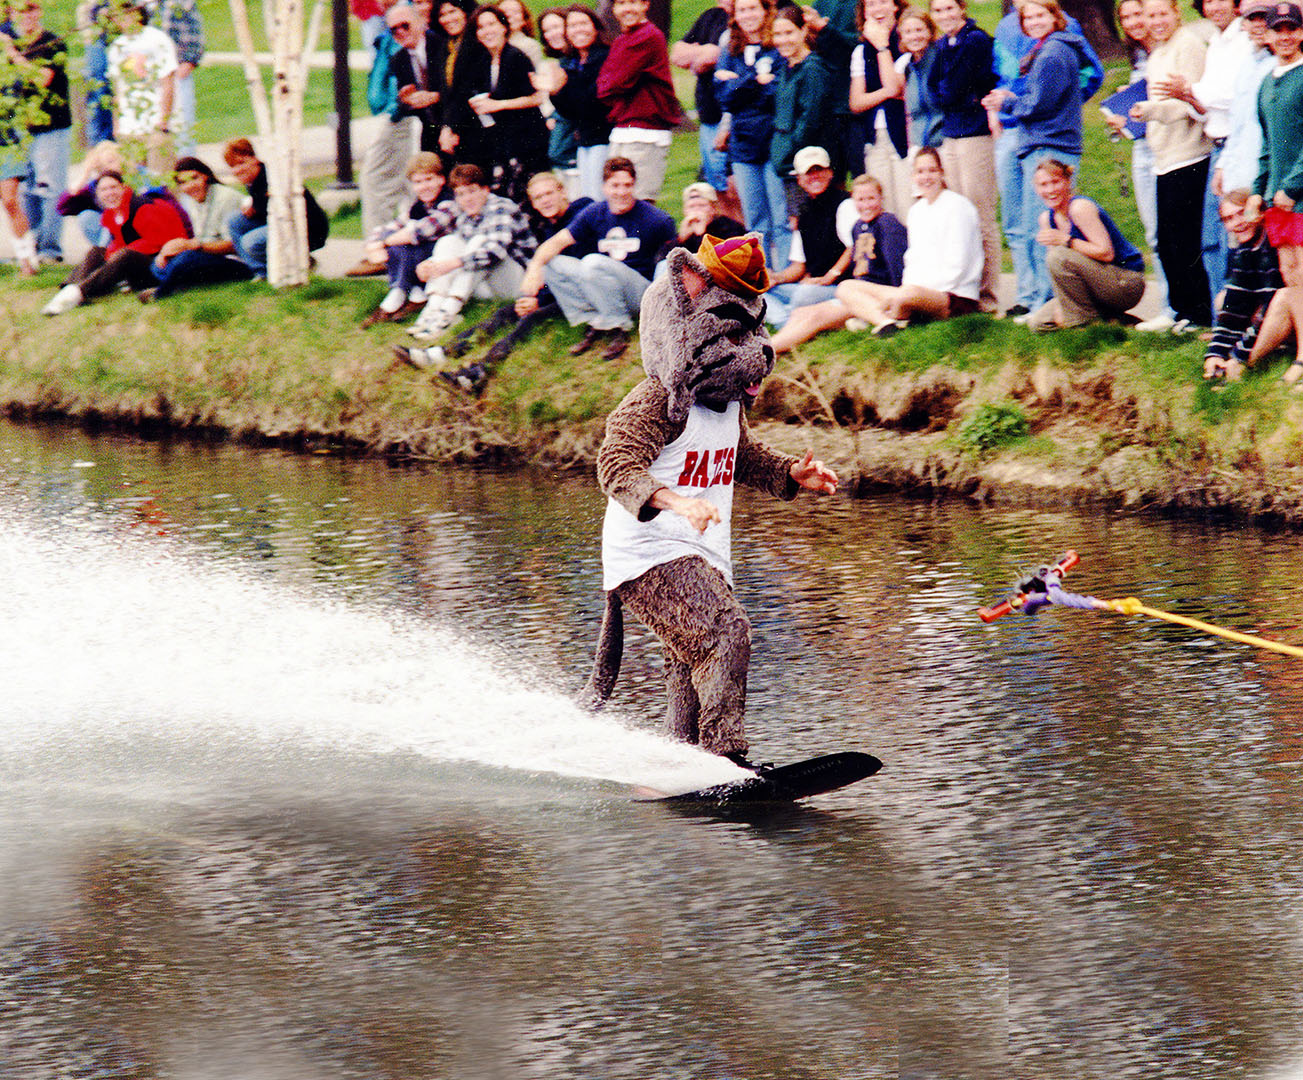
(618, 344)
(591, 337)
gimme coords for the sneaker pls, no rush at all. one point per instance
(421, 359)
(430, 326)
(1024, 319)
(591, 337)
(618, 344)
(64, 300)
(1159, 324)
(886, 330)
(1017, 311)
(857, 325)
(1184, 326)
(147, 296)
(472, 378)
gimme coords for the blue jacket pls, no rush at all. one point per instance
(962, 74)
(381, 86)
(1011, 45)
(1048, 111)
(924, 113)
(750, 103)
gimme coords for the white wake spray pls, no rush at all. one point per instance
(105, 634)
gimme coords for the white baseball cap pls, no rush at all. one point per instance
(811, 157)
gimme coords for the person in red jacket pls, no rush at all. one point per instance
(635, 86)
(139, 226)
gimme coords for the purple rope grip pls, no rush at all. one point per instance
(1055, 595)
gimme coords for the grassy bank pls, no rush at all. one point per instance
(976, 406)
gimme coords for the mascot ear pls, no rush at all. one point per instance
(688, 277)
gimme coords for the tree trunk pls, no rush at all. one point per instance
(1099, 26)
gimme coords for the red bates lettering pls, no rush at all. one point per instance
(702, 470)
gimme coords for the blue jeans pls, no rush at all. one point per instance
(1214, 234)
(590, 160)
(1033, 207)
(764, 205)
(99, 97)
(782, 300)
(714, 163)
(402, 260)
(1008, 174)
(250, 240)
(597, 290)
(192, 268)
(47, 177)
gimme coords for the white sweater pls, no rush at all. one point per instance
(945, 246)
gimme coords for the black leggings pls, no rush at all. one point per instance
(1180, 241)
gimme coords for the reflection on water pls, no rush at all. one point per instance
(290, 787)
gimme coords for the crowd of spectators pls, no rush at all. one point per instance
(524, 161)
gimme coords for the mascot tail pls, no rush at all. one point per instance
(610, 649)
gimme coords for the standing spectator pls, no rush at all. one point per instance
(1238, 165)
(1252, 282)
(520, 27)
(45, 111)
(94, 20)
(207, 256)
(1229, 50)
(142, 67)
(552, 211)
(370, 15)
(923, 115)
(562, 144)
(180, 21)
(876, 254)
(380, 180)
(1012, 46)
(835, 35)
(698, 53)
(249, 232)
(943, 262)
(636, 87)
(1095, 271)
(622, 235)
(744, 88)
(504, 133)
(1181, 152)
(876, 96)
(480, 250)
(1047, 110)
(819, 257)
(962, 74)
(803, 104)
(415, 68)
(138, 227)
(575, 96)
(401, 249)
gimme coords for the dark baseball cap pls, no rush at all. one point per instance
(1284, 13)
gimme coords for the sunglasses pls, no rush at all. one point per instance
(401, 26)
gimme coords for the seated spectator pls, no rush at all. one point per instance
(876, 254)
(138, 226)
(943, 262)
(480, 250)
(1252, 282)
(398, 247)
(700, 201)
(208, 256)
(552, 212)
(249, 231)
(1095, 272)
(819, 258)
(603, 290)
(79, 200)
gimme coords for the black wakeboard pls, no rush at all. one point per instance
(800, 780)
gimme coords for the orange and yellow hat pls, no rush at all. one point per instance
(736, 264)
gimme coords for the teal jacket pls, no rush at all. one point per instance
(382, 87)
(803, 112)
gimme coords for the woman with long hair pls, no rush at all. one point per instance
(876, 98)
(923, 116)
(1048, 117)
(521, 25)
(561, 140)
(1182, 154)
(574, 93)
(744, 87)
(943, 259)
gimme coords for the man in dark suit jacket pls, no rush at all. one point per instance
(418, 71)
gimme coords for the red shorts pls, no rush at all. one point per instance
(1284, 227)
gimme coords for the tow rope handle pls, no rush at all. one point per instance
(1039, 582)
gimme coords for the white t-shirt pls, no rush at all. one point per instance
(137, 64)
(700, 463)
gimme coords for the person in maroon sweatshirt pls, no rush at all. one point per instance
(636, 87)
(139, 226)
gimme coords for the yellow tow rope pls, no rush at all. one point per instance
(1131, 606)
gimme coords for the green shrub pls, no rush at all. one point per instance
(992, 425)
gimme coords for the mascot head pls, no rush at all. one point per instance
(703, 325)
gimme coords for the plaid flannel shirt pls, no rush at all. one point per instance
(180, 20)
(502, 228)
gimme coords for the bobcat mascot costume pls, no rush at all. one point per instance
(674, 448)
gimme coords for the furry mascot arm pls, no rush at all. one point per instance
(636, 432)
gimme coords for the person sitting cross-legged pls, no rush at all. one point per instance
(397, 245)
(551, 211)
(208, 257)
(1252, 282)
(480, 250)
(622, 235)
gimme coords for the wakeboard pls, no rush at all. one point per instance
(786, 783)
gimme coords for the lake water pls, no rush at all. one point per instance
(291, 788)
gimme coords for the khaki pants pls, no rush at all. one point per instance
(894, 173)
(649, 162)
(969, 166)
(1086, 289)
